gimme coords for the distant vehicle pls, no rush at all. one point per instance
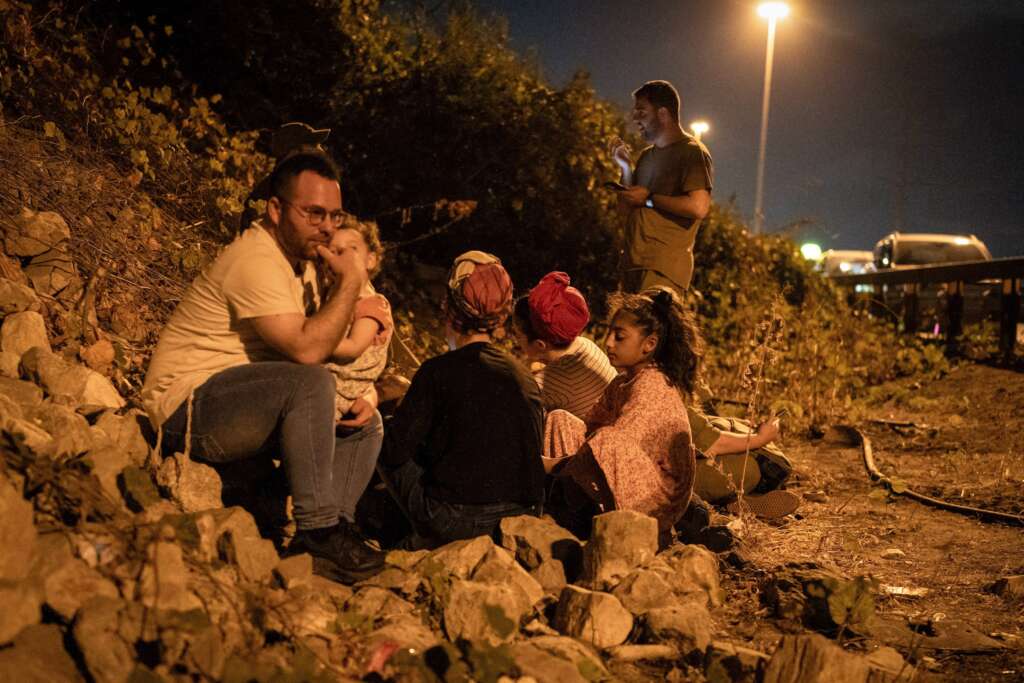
(845, 262)
(906, 249)
(903, 249)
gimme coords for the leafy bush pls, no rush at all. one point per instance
(422, 109)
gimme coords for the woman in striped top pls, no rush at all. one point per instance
(546, 325)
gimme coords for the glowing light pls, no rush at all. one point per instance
(699, 128)
(844, 266)
(810, 251)
(773, 10)
(961, 241)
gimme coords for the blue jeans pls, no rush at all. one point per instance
(283, 410)
(440, 520)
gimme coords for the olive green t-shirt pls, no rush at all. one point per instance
(656, 240)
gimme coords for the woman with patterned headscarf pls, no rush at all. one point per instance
(463, 449)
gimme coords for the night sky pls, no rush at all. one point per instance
(885, 114)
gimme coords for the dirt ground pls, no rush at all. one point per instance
(965, 447)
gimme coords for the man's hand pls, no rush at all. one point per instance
(347, 266)
(622, 155)
(635, 196)
(358, 415)
(768, 431)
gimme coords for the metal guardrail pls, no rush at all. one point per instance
(1010, 271)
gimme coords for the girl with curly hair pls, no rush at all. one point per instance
(634, 450)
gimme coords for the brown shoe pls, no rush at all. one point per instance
(771, 505)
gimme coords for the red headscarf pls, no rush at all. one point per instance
(558, 312)
(479, 292)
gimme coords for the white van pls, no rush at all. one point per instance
(902, 249)
(906, 249)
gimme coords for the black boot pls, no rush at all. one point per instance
(339, 552)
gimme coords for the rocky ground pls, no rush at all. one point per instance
(117, 565)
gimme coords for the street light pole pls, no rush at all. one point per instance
(772, 11)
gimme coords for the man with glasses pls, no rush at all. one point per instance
(237, 371)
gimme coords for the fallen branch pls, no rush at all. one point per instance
(877, 476)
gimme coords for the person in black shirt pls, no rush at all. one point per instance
(464, 448)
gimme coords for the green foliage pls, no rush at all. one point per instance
(421, 108)
(757, 293)
(88, 87)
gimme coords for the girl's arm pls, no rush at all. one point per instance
(739, 443)
(372, 325)
(358, 340)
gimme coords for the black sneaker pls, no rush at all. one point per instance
(339, 553)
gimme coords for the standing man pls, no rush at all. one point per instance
(237, 368)
(667, 193)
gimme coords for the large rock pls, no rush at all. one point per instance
(814, 659)
(33, 233)
(457, 559)
(10, 365)
(51, 272)
(38, 656)
(22, 606)
(70, 431)
(255, 557)
(164, 582)
(644, 590)
(73, 583)
(231, 535)
(822, 600)
(542, 665)
(481, 612)
(588, 663)
(294, 571)
(125, 433)
(371, 602)
(22, 331)
(70, 381)
(551, 576)
(26, 436)
(17, 532)
(404, 582)
(405, 630)
(725, 662)
(536, 540)
(299, 613)
(620, 542)
(106, 631)
(23, 393)
(193, 485)
(692, 573)
(498, 566)
(689, 626)
(16, 297)
(108, 464)
(593, 617)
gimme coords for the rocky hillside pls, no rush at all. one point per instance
(119, 565)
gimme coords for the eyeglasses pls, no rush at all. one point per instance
(316, 215)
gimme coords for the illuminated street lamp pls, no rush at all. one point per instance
(772, 11)
(699, 128)
(810, 251)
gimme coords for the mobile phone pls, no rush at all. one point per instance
(612, 185)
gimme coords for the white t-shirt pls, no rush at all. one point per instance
(211, 330)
